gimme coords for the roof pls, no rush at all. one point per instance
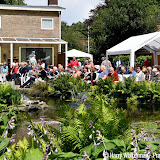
(31, 40)
(31, 8)
(150, 42)
(76, 53)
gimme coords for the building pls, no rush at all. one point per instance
(31, 29)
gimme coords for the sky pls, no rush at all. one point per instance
(76, 10)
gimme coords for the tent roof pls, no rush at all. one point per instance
(150, 42)
(76, 53)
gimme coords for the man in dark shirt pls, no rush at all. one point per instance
(23, 69)
(42, 73)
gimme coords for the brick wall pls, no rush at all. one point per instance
(27, 24)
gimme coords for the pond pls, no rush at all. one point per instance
(150, 120)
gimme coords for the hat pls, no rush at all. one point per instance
(97, 67)
(154, 70)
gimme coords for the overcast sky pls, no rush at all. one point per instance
(76, 10)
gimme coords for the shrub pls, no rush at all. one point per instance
(8, 95)
(67, 87)
(130, 93)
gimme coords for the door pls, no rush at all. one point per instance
(158, 57)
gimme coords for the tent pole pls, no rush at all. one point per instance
(132, 58)
(106, 60)
(66, 61)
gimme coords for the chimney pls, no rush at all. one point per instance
(52, 2)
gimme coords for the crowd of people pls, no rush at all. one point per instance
(40, 70)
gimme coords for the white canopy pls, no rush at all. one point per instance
(76, 53)
(150, 42)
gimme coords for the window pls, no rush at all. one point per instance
(45, 53)
(47, 23)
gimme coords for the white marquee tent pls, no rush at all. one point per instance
(76, 53)
(150, 42)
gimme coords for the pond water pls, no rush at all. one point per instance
(150, 120)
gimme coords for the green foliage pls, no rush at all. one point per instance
(66, 87)
(34, 154)
(66, 156)
(140, 60)
(125, 60)
(76, 131)
(15, 2)
(74, 35)
(4, 143)
(120, 20)
(8, 95)
(130, 94)
(39, 89)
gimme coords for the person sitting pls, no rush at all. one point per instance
(52, 73)
(146, 74)
(32, 75)
(84, 73)
(14, 71)
(22, 69)
(43, 64)
(4, 72)
(69, 70)
(132, 72)
(156, 75)
(60, 70)
(150, 72)
(92, 75)
(77, 72)
(90, 64)
(103, 73)
(140, 75)
(123, 70)
(112, 74)
(42, 73)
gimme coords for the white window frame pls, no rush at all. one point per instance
(20, 49)
(0, 22)
(47, 28)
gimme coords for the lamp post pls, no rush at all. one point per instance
(88, 40)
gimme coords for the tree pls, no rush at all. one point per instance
(12, 2)
(74, 35)
(121, 19)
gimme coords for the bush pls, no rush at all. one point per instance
(8, 95)
(140, 60)
(67, 87)
(126, 60)
(139, 94)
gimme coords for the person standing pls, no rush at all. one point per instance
(74, 63)
(33, 60)
(118, 64)
(146, 62)
(79, 62)
(106, 63)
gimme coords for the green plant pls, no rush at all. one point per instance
(130, 94)
(67, 87)
(76, 124)
(8, 95)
